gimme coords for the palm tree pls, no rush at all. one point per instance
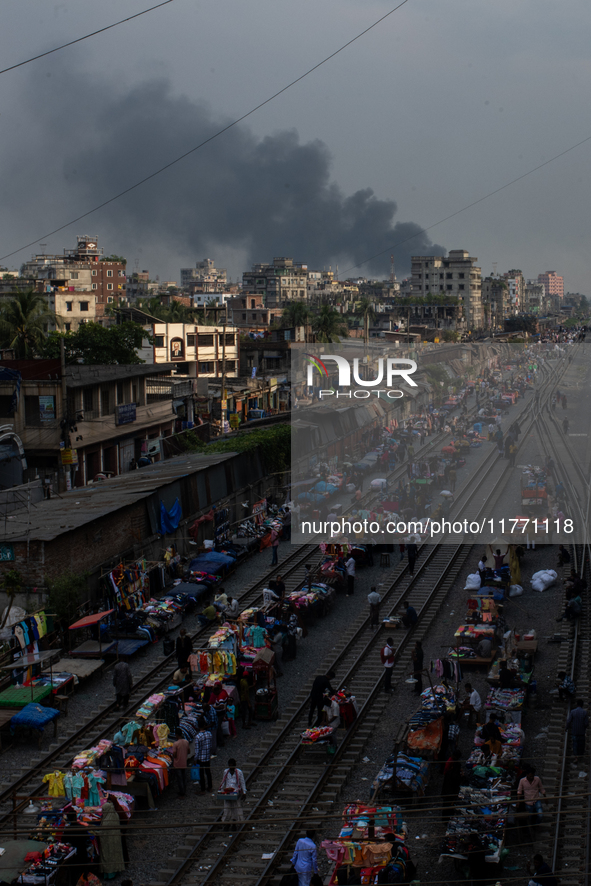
(366, 309)
(295, 314)
(24, 321)
(328, 325)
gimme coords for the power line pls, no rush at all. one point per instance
(469, 206)
(86, 36)
(207, 140)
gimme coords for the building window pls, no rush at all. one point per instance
(441, 276)
(87, 399)
(6, 404)
(94, 285)
(105, 401)
(461, 275)
(94, 273)
(122, 273)
(120, 397)
(109, 285)
(109, 273)
(461, 286)
(253, 303)
(110, 299)
(244, 316)
(449, 287)
(83, 305)
(230, 365)
(73, 275)
(191, 340)
(205, 341)
(229, 338)
(67, 326)
(449, 276)
(158, 341)
(206, 367)
(68, 306)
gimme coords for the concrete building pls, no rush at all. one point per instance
(496, 305)
(455, 275)
(82, 269)
(534, 298)
(206, 274)
(553, 284)
(516, 285)
(114, 415)
(249, 314)
(278, 283)
(195, 350)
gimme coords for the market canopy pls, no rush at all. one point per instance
(33, 658)
(89, 620)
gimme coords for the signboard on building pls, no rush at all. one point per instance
(47, 408)
(125, 414)
(69, 456)
(234, 420)
(6, 553)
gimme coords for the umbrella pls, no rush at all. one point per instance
(447, 493)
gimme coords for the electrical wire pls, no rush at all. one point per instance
(211, 138)
(468, 206)
(34, 58)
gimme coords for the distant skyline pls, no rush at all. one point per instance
(427, 113)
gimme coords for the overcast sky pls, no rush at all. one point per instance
(434, 108)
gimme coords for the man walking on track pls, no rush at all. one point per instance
(374, 600)
(320, 686)
(350, 564)
(578, 721)
(387, 655)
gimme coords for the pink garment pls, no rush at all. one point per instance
(335, 851)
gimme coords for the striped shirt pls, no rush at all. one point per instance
(203, 747)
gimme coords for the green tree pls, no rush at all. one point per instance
(365, 308)
(295, 314)
(66, 593)
(329, 325)
(96, 344)
(118, 258)
(23, 323)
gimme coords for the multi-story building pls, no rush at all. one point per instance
(455, 275)
(279, 283)
(496, 305)
(534, 298)
(114, 415)
(197, 351)
(515, 284)
(206, 274)
(83, 269)
(249, 314)
(552, 283)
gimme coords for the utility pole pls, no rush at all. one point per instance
(223, 402)
(65, 417)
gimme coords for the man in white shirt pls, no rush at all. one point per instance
(374, 600)
(387, 656)
(474, 703)
(269, 596)
(350, 564)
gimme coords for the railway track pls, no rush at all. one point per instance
(570, 811)
(286, 782)
(105, 722)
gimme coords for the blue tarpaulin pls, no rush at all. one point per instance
(35, 716)
(211, 562)
(169, 520)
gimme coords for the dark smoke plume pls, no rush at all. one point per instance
(261, 196)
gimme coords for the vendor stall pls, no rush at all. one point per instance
(94, 648)
(466, 639)
(371, 844)
(402, 773)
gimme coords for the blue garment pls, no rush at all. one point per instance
(304, 857)
(169, 520)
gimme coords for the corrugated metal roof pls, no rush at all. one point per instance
(49, 519)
